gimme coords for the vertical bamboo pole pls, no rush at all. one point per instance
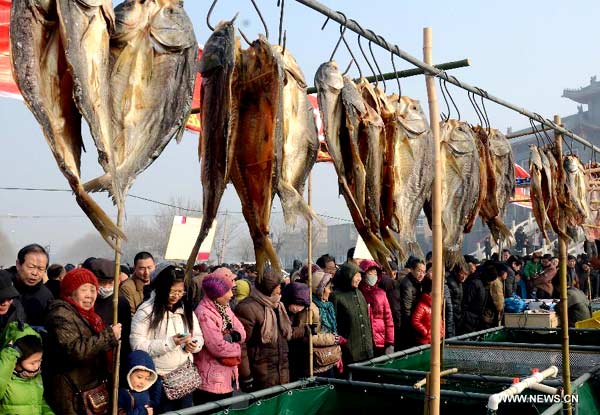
(564, 319)
(310, 322)
(223, 239)
(116, 357)
(438, 270)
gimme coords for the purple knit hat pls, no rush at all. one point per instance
(214, 287)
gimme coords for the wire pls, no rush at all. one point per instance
(52, 190)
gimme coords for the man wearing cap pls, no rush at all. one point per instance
(542, 281)
(10, 307)
(28, 278)
(133, 288)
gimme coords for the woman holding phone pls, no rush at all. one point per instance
(167, 329)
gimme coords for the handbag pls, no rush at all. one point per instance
(229, 361)
(181, 381)
(94, 401)
(327, 356)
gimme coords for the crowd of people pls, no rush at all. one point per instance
(184, 345)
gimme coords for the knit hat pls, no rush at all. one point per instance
(214, 286)
(268, 282)
(242, 289)
(295, 293)
(319, 282)
(103, 269)
(75, 279)
(7, 289)
(304, 272)
(224, 273)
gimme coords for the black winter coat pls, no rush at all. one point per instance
(35, 301)
(73, 351)
(448, 314)
(456, 295)
(392, 291)
(410, 291)
(476, 300)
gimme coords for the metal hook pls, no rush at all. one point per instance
(452, 99)
(244, 37)
(367, 60)
(484, 112)
(445, 117)
(261, 18)
(473, 101)
(342, 31)
(535, 132)
(210, 10)
(396, 74)
(375, 61)
(280, 19)
(348, 67)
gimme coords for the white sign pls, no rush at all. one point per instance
(360, 250)
(184, 233)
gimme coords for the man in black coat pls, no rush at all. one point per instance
(28, 275)
(478, 307)
(455, 281)
(410, 290)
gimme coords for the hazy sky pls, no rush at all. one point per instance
(526, 52)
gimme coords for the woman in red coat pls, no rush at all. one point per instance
(382, 323)
(421, 318)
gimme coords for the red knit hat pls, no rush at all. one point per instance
(75, 279)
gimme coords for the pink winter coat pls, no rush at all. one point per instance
(216, 378)
(380, 313)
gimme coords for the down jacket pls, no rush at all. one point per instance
(380, 314)
(159, 343)
(216, 377)
(73, 350)
(352, 316)
(18, 395)
(421, 320)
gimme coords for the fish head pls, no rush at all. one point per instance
(499, 144)
(571, 164)
(329, 77)
(411, 116)
(131, 17)
(535, 158)
(171, 29)
(459, 137)
(218, 51)
(290, 66)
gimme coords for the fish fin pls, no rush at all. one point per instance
(410, 248)
(264, 251)
(376, 247)
(293, 204)
(108, 230)
(454, 164)
(500, 231)
(204, 229)
(99, 184)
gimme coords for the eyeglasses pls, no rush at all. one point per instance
(176, 293)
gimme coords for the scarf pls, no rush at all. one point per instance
(269, 332)
(90, 316)
(227, 323)
(327, 315)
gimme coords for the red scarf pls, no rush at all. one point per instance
(90, 316)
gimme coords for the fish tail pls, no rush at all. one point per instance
(264, 252)
(500, 231)
(414, 249)
(108, 230)
(452, 257)
(99, 184)
(376, 247)
(390, 240)
(204, 229)
(293, 204)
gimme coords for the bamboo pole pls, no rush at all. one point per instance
(222, 253)
(310, 322)
(433, 395)
(117, 356)
(564, 320)
(539, 128)
(593, 170)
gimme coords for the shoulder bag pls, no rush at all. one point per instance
(94, 401)
(181, 381)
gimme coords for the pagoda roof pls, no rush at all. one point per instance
(584, 94)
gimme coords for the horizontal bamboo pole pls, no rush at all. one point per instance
(593, 170)
(539, 128)
(393, 75)
(407, 73)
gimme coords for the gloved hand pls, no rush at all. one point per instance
(247, 385)
(340, 366)
(232, 337)
(389, 349)
(342, 341)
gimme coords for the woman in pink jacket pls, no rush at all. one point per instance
(223, 334)
(380, 313)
